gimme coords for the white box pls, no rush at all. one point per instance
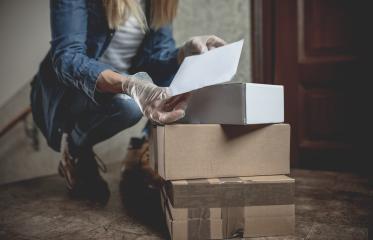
(236, 103)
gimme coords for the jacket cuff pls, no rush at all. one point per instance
(92, 75)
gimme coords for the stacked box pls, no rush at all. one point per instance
(232, 192)
(229, 207)
(236, 104)
(189, 151)
(226, 181)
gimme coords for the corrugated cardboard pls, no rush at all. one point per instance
(231, 192)
(190, 151)
(232, 222)
(236, 103)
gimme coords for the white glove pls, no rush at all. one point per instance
(155, 102)
(200, 44)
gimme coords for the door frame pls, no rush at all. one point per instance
(263, 42)
(268, 46)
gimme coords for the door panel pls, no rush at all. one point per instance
(316, 59)
(325, 28)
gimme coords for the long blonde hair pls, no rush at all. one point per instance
(162, 12)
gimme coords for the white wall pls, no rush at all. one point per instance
(228, 19)
(25, 35)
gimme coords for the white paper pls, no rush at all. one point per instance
(216, 66)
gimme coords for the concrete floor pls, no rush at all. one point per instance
(329, 205)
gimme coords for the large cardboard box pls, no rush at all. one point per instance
(228, 222)
(236, 103)
(190, 151)
(231, 192)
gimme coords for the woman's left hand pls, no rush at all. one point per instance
(154, 102)
(198, 45)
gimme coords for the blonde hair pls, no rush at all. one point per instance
(162, 12)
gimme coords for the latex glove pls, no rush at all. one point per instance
(155, 102)
(198, 45)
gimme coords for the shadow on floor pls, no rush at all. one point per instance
(140, 201)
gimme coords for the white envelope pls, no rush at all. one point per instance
(213, 67)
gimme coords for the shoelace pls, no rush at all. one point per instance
(101, 165)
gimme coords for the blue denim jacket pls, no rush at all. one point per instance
(80, 35)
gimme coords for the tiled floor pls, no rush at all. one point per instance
(329, 205)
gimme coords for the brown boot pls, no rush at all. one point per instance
(136, 149)
(82, 175)
(138, 159)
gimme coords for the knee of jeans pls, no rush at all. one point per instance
(127, 110)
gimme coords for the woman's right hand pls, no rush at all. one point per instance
(154, 102)
(199, 44)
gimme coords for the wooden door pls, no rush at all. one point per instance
(313, 48)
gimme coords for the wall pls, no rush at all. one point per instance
(24, 27)
(25, 36)
(20, 161)
(229, 20)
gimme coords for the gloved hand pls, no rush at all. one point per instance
(155, 102)
(198, 45)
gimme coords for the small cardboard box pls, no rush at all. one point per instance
(231, 192)
(190, 151)
(236, 103)
(233, 222)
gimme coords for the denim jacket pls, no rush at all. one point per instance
(80, 35)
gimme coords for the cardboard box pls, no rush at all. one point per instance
(189, 151)
(236, 103)
(231, 192)
(223, 223)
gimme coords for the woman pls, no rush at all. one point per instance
(92, 83)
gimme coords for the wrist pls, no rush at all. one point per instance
(125, 80)
(110, 82)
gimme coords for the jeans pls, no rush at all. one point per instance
(90, 123)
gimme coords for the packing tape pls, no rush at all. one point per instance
(228, 192)
(196, 225)
(231, 222)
